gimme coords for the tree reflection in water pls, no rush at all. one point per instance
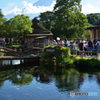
(16, 76)
(22, 79)
(69, 80)
(98, 78)
(65, 79)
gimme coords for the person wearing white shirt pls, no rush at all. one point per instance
(85, 46)
(98, 46)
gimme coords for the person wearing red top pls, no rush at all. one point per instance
(61, 43)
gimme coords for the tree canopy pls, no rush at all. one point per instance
(66, 19)
(93, 17)
(21, 25)
(2, 21)
(17, 26)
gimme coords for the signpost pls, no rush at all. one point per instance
(50, 50)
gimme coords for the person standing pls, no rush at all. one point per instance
(3, 42)
(6, 40)
(90, 46)
(61, 43)
(65, 43)
(94, 42)
(54, 42)
(81, 47)
(85, 47)
(98, 46)
(74, 47)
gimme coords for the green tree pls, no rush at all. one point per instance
(46, 19)
(1, 15)
(20, 25)
(9, 29)
(93, 17)
(71, 22)
(66, 20)
(2, 21)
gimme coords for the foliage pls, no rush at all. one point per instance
(62, 57)
(2, 21)
(87, 63)
(22, 80)
(93, 17)
(66, 20)
(60, 54)
(46, 19)
(18, 26)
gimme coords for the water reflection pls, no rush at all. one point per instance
(69, 82)
(10, 62)
(98, 79)
(16, 76)
(43, 82)
(21, 79)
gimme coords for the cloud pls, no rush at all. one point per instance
(88, 8)
(29, 8)
(14, 11)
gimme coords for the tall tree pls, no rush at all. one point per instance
(1, 15)
(66, 19)
(46, 19)
(2, 21)
(71, 22)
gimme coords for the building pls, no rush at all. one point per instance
(95, 30)
(40, 36)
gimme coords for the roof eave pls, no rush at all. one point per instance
(39, 35)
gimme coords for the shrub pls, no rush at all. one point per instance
(64, 58)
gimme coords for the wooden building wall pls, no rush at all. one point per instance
(94, 34)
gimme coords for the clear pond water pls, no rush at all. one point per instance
(33, 83)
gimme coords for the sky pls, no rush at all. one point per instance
(33, 8)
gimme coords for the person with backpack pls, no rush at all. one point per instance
(90, 46)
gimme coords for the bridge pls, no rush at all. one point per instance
(21, 52)
(28, 53)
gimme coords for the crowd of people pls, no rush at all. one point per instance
(79, 45)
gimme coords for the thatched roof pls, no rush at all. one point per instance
(39, 29)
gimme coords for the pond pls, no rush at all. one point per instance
(38, 83)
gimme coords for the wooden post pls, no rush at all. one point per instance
(20, 51)
(11, 61)
(99, 55)
(15, 50)
(20, 61)
(1, 63)
(76, 52)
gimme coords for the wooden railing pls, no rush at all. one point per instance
(84, 53)
(21, 52)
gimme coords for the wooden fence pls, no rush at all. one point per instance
(85, 53)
